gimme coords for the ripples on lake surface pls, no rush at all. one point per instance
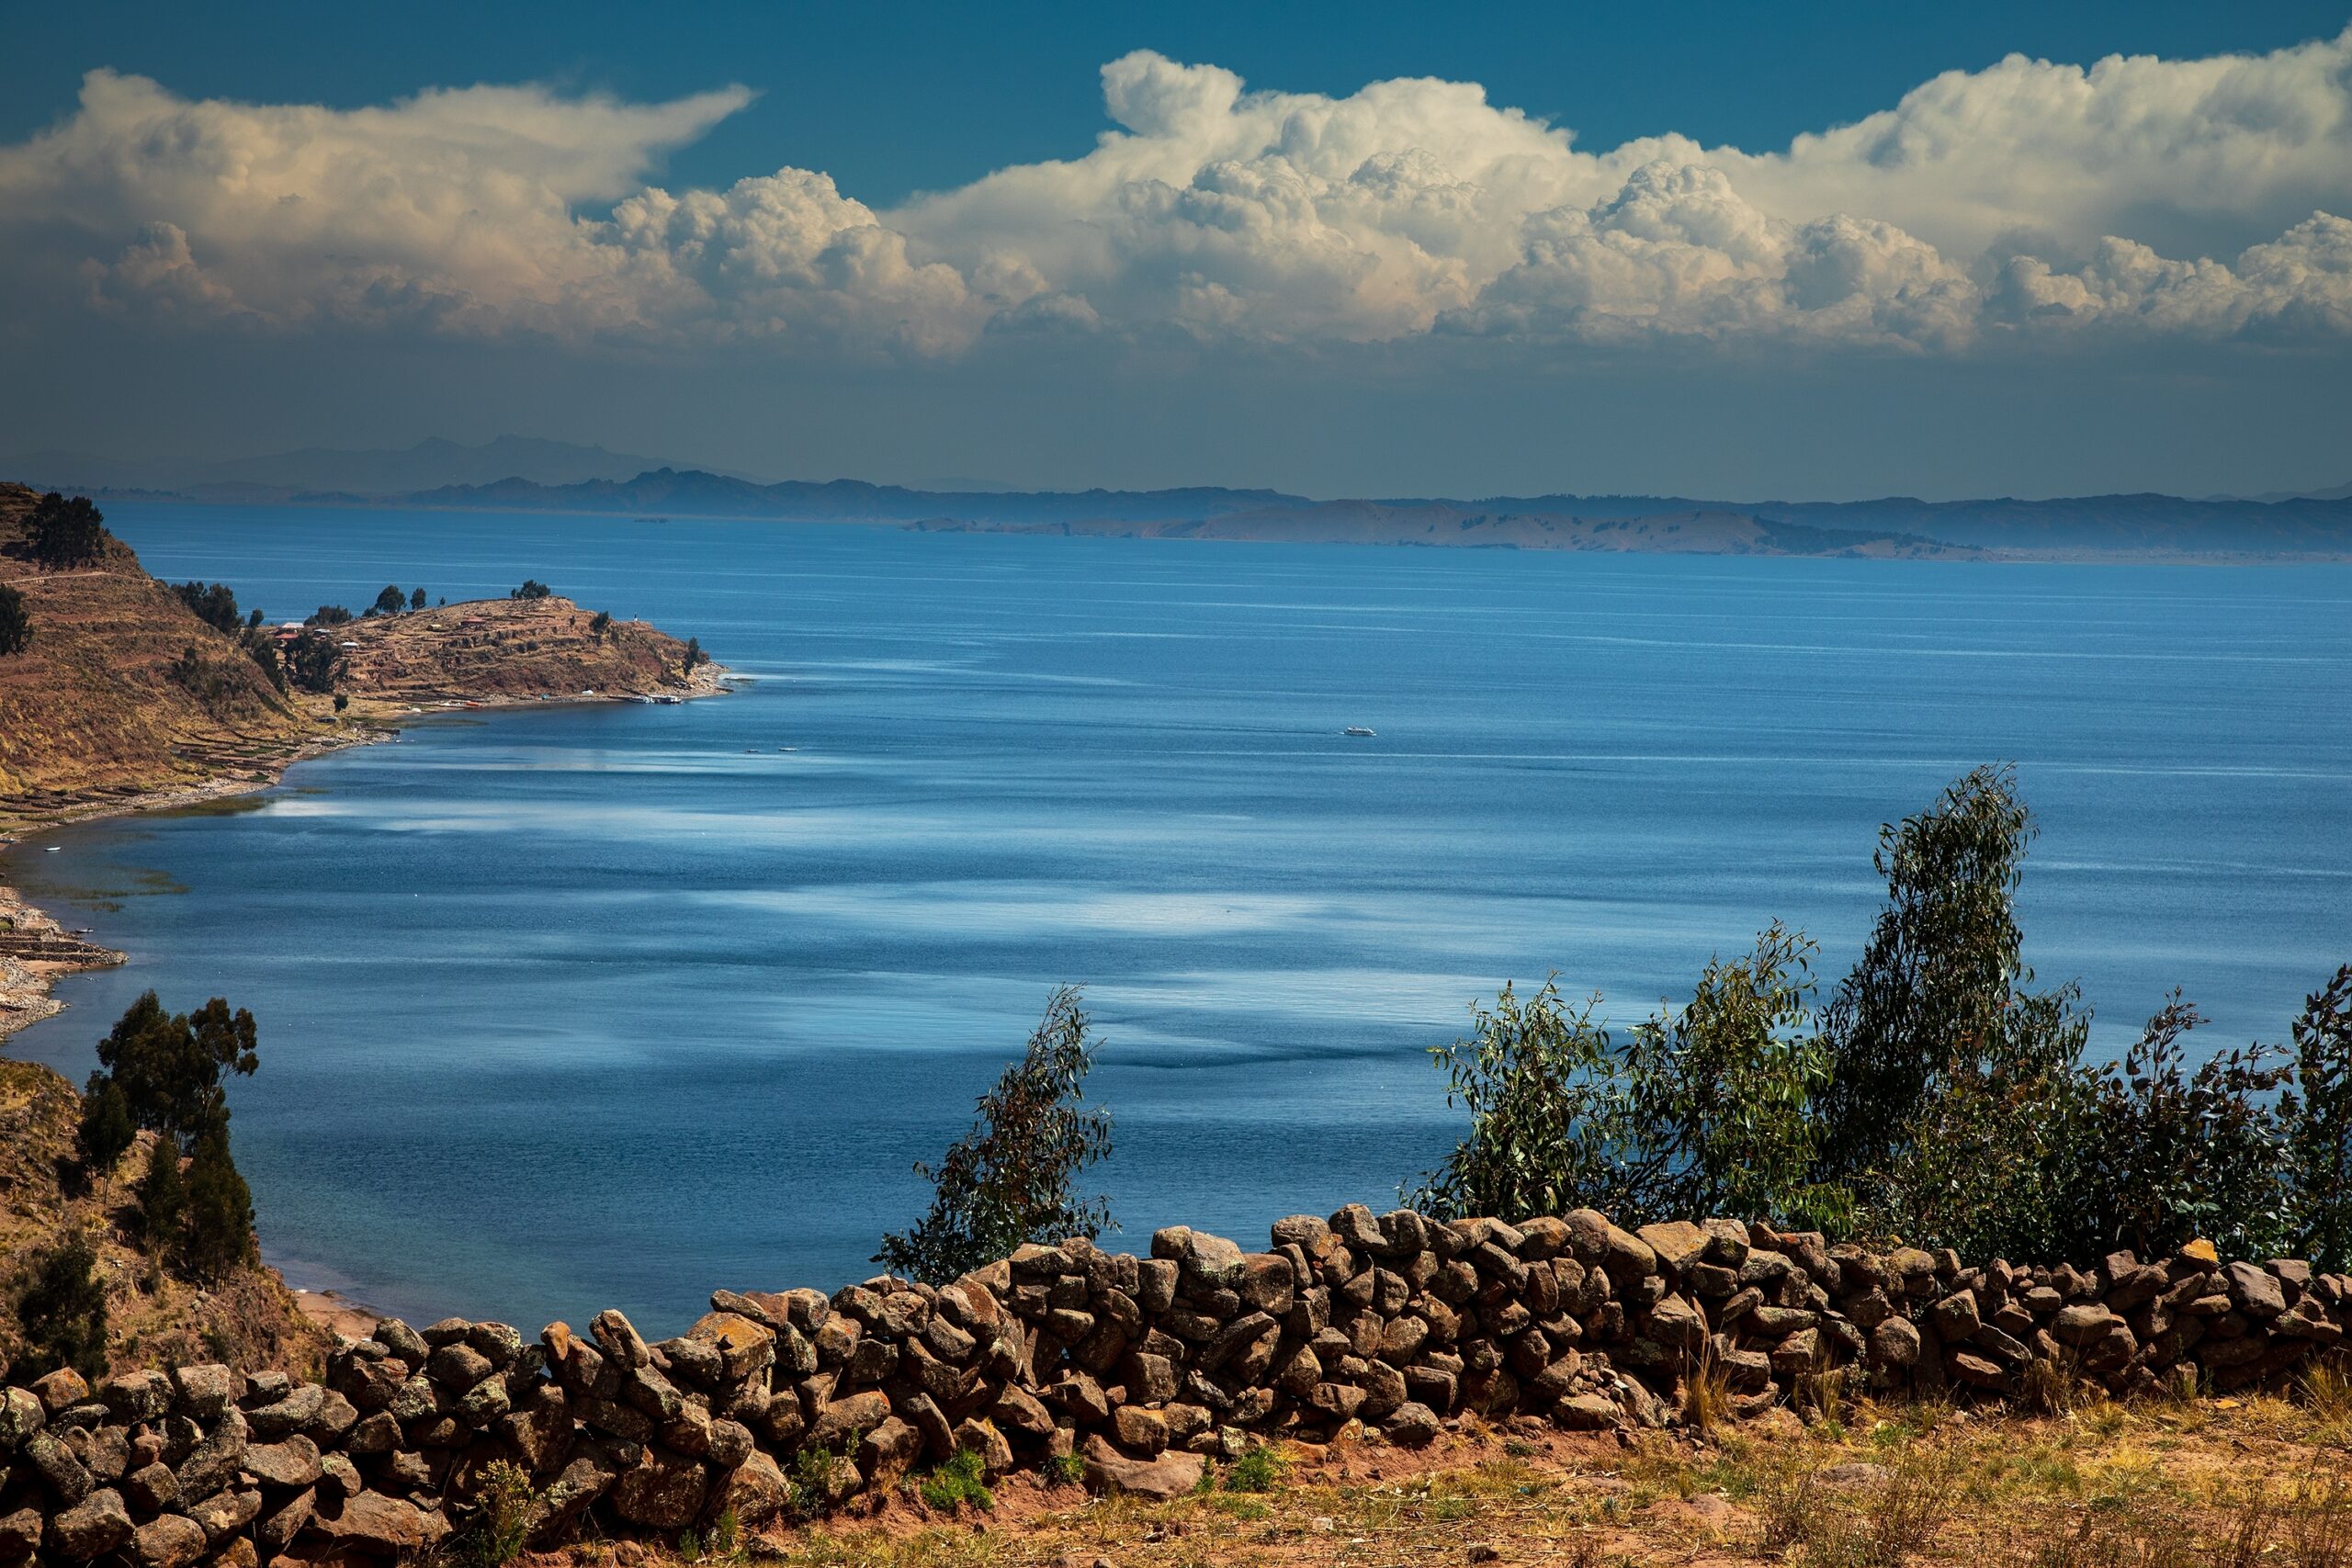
(599, 1006)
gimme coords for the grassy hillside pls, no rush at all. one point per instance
(154, 1319)
(93, 704)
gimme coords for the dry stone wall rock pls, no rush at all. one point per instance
(1139, 1369)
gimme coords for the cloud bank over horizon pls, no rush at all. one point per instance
(2030, 207)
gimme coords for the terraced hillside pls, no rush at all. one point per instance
(122, 691)
(124, 697)
(508, 651)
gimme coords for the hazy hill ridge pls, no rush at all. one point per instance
(314, 469)
(517, 473)
(2160, 527)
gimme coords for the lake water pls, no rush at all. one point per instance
(592, 1006)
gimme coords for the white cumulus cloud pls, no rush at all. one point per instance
(2030, 202)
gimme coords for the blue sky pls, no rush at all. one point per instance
(1575, 249)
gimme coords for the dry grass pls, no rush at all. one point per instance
(1706, 1394)
(2160, 1483)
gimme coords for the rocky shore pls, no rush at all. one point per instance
(1134, 1371)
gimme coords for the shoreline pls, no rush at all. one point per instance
(28, 984)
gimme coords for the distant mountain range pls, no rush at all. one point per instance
(314, 470)
(520, 474)
(2163, 526)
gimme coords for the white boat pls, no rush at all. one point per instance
(1358, 729)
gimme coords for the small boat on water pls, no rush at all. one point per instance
(1358, 729)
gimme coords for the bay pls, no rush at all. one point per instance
(583, 1005)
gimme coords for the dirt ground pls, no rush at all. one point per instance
(2176, 1484)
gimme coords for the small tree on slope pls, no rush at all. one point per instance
(16, 622)
(1009, 1179)
(62, 1315)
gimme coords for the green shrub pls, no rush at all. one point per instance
(219, 1237)
(214, 603)
(163, 1194)
(210, 684)
(501, 1520)
(1707, 1111)
(962, 1479)
(1258, 1469)
(816, 1477)
(1726, 1087)
(107, 1128)
(1008, 1179)
(168, 1066)
(2170, 1154)
(2319, 1142)
(66, 532)
(1935, 1097)
(1934, 1004)
(61, 1314)
(16, 622)
(313, 662)
(1064, 1470)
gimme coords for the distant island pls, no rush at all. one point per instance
(553, 477)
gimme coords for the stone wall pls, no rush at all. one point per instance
(1136, 1368)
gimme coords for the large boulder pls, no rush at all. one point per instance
(754, 1492)
(1894, 1343)
(275, 1530)
(61, 1390)
(20, 1417)
(1413, 1425)
(224, 1514)
(136, 1397)
(92, 1528)
(380, 1526)
(205, 1392)
(2256, 1291)
(588, 1477)
(978, 1434)
(69, 1479)
(844, 1421)
(293, 1463)
(662, 1491)
(214, 1462)
(745, 1347)
(888, 1451)
(1164, 1476)
(1677, 1243)
(1587, 1413)
(19, 1533)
